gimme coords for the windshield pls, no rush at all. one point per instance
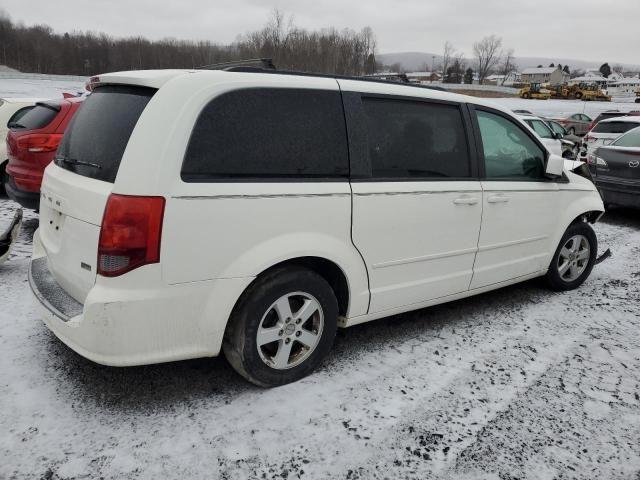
(557, 128)
(614, 127)
(540, 128)
(96, 138)
(630, 139)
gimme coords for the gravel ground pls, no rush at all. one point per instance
(520, 383)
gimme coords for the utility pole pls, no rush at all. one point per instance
(433, 61)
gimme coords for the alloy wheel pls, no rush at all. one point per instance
(574, 258)
(290, 330)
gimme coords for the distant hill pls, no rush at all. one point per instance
(419, 61)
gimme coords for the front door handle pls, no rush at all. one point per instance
(497, 199)
(466, 200)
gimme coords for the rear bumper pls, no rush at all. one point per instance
(624, 193)
(29, 200)
(133, 325)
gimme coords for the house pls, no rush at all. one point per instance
(424, 77)
(509, 80)
(552, 75)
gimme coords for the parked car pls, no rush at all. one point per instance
(192, 213)
(616, 169)
(550, 139)
(576, 124)
(612, 114)
(570, 143)
(11, 110)
(31, 144)
(607, 131)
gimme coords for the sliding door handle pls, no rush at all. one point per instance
(497, 199)
(464, 200)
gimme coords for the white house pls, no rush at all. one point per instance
(552, 75)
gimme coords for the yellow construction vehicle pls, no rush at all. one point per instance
(637, 96)
(588, 91)
(535, 92)
(559, 91)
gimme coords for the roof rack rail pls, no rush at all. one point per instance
(246, 67)
(258, 63)
(387, 76)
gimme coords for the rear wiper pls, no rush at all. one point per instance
(73, 161)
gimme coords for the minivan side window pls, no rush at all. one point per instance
(415, 140)
(509, 153)
(269, 133)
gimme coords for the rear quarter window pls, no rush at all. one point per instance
(38, 117)
(269, 133)
(614, 127)
(97, 136)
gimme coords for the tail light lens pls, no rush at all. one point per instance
(40, 142)
(130, 233)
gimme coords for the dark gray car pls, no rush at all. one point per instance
(616, 170)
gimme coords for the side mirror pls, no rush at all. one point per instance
(555, 166)
(559, 136)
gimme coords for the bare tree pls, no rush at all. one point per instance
(487, 55)
(507, 64)
(447, 53)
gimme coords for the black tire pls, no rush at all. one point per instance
(525, 95)
(3, 173)
(578, 96)
(554, 279)
(240, 343)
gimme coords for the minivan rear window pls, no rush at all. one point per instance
(97, 136)
(269, 134)
(614, 127)
(38, 117)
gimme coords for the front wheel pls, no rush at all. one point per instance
(574, 259)
(282, 327)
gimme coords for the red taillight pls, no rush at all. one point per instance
(40, 142)
(130, 233)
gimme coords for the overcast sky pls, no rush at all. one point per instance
(579, 29)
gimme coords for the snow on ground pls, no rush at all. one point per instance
(39, 88)
(564, 108)
(517, 383)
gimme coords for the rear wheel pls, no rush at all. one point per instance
(525, 95)
(282, 327)
(578, 95)
(574, 259)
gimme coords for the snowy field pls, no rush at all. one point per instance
(518, 383)
(564, 108)
(39, 88)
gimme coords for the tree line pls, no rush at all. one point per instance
(38, 49)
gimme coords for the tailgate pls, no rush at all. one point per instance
(71, 208)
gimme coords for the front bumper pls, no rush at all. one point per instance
(122, 324)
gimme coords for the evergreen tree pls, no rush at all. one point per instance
(605, 70)
(468, 76)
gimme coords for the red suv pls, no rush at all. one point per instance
(32, 144)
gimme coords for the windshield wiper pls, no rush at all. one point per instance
(73, 161)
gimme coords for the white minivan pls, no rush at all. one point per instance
(254, 212)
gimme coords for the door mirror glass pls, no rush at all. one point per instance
(555, 166)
